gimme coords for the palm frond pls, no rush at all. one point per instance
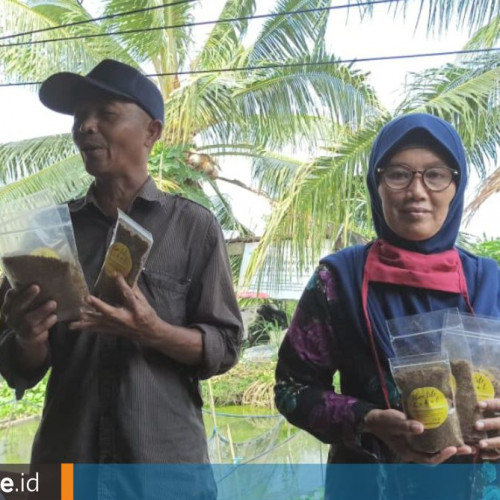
(326, 195)
(204, 102)
(486, 37)
(165, 49)
(305, 99)
(466, 95)
(489, 187)
(271, 171)
(274, 108)
(441, 14)
(224, 42)
(23, 158)
(35, 62)
(65, 179)
(289, 37)
(224, 213)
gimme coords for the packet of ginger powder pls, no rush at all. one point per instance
(37, 245)
(424, 382)
(127, 254)
(442, 331)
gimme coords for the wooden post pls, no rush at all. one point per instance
(214, 418)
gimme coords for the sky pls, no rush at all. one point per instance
(381, 35)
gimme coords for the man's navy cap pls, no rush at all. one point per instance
(62, 91)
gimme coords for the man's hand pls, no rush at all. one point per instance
(31, 326)
(135, 319)
(489, 448)
(394, 429)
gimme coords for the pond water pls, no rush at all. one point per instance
(249, 434)
(16, 441)
(239, 434)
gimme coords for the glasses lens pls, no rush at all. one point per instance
(437, 178)
(397, 176)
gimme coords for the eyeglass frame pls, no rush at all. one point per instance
(453, 171)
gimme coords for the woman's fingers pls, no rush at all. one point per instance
(392, 422)
(488, 424)
(442, 456)
(465, 450)
(490, 405)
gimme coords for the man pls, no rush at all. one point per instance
(124, 380)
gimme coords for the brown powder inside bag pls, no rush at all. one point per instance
(105, 287)
(495, 380)
(466, 401)
(59, 280)
(436, 376)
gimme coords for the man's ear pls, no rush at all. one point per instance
(155, 129)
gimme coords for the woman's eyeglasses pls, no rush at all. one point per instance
(399, 177)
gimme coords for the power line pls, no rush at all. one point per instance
(325, 63)
(101, 18)
(176, 26)
(304, 64)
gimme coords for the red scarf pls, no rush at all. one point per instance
(386, 263)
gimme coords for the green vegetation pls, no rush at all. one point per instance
(30, 405)
(245, 384)
(488, 248)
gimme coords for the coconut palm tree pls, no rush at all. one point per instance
(209, 114)
(485, 38)
(327, 196)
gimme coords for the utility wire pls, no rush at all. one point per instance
(296, 65)
(176, 26)
(101, 18)
(325, 63)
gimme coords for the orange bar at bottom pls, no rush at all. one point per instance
(66, 481)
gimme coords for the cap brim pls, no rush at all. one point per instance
(61, 92)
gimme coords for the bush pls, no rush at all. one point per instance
(31, 404)
(246, 383)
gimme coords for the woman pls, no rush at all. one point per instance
(416, 178)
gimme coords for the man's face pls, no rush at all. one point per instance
(113, 136)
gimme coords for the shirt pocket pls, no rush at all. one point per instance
(166, 293)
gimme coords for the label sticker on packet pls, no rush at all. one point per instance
(118, 260)
(429, 406)
(484, 386)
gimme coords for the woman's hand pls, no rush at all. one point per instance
(394, 429)
(489, 448)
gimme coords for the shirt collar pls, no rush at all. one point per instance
(148, 192)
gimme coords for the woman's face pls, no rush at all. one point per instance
(415, 213)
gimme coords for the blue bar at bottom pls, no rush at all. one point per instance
(286, 481)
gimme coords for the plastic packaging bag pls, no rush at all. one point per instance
(420, 333)
(127, 254)
(424, 382)
(436, 332)
(38, 246)
(483, 336)
(18, 208)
